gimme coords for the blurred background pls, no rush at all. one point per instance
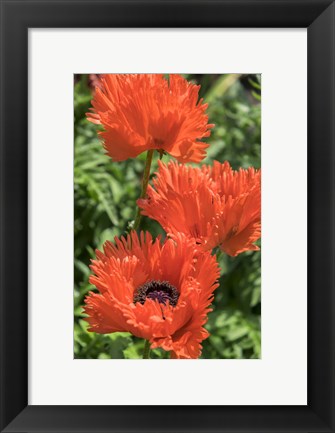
(104, 203)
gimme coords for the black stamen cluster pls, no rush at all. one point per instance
(162, 291)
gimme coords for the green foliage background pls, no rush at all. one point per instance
(104, 202)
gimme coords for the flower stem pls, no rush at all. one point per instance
(146, 351)
(219, 254)
(145, 182)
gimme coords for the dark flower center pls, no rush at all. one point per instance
(162, 291)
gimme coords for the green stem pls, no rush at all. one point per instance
(145, 181)
(219, 254)
(146, 351)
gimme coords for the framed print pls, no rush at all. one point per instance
(137, 293)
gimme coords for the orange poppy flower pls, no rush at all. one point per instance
(159, 292)
(141, 112)
(216, 206)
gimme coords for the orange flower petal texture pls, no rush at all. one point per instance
(214, 205)
(131, 262)
(141, 112)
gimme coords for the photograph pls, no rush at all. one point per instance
(167, 216)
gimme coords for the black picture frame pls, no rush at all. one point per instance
(16, 18)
